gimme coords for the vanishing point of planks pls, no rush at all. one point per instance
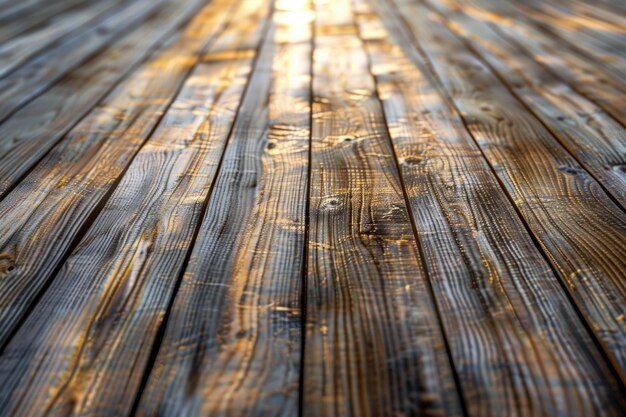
(312, 208)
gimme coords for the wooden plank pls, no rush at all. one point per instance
(12, 9)
(233, 340)
(33, 130)
(498, 296)
(600, 13)
(599, 39)
(581, 230)
(596, 140)
(522, 15)
(586, 78)
(29, 14)
(46, 214)
(19, 87)
(96, 325)
(373, 343)
(18, 50)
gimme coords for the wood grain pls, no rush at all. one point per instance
(33, 130)
(496, 306)
(44, 215)
(233, 340)
(523, 15)
(373, 344)
(19, 87)
(17, 51)
(581, 74)
(552, 192)
(312, 208)
(596, 140)
(600, 40)
(92, 319)
(26, 15)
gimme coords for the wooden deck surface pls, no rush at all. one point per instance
(312, 208)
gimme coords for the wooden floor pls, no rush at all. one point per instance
(312, 208)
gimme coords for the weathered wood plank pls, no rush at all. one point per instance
(522, 15)
(600, 40)
(373, 344)
(498, 296)
(27, 15)
(44, 214)
(602, 14)
(95, 327)
(586, 78)
(233, 340)
(18, 50)
(30, 133)
(581, 230)
(596, 140)
(19, 87)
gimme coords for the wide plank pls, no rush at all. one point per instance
(373, 343)
(601, 40)
(36, 76)
(591, 135)
(233, 340)
(34, 129)
(18, 50)
(552, 192)
(524, 15)
(78, 352)
(46, 214)
(581, 74)
(26, 15)
(497, 294)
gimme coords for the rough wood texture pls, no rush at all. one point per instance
(22, 16)
(601, 41)
(94, 317)
(232, 345)
(44, 215)
(552, 192)
(19, 50)
(312, 208)
(373, 344)
(492, 301)
(591, 135)
(580, 73)
(34, 77)
(33, 130)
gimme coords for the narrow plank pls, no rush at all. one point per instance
(581, 230)
(373, 344)
(44, 216)
(523, 15)
(12, 9)
(96, 325)
(19, 87)
(596, 140)
(596, 38)
(600, 13)
(588, 79)
(29, 14)
(498, 296)
(233, 340)
(610, 6)
(33, 130)
(568, 16)
(18, 50)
